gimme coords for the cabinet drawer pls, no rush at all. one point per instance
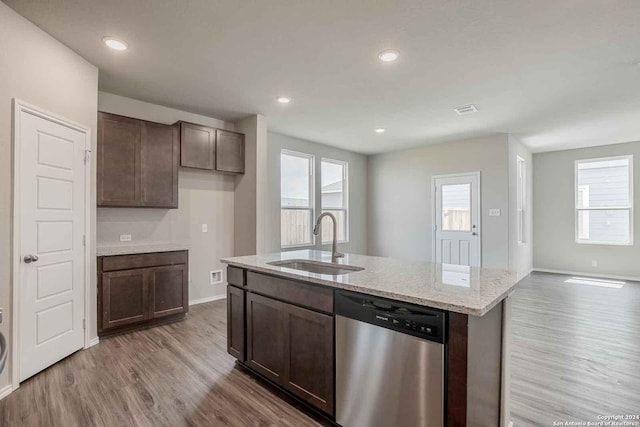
(125, 262)
(235, 276)
(303, 294)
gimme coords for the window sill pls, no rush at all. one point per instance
(582, 242)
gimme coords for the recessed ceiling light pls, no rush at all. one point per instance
(380, 130)
(115, 43)
(389, 55)
(283, 99)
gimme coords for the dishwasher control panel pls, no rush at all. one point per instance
(422, 322)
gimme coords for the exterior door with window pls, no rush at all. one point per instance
(457, 219)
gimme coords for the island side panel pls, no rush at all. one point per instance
(484, 371)
(457, 370)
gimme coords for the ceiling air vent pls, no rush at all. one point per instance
(465, 109)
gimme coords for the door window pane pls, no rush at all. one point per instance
(456, 207)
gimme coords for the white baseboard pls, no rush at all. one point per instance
(92, 342)
(510, 423)
(6, 391)
(583, 274)
(207, 299)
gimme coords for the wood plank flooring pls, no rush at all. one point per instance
(575, 351)
(173, 375)
(576, 355)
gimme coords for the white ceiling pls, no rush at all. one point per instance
(560, 73)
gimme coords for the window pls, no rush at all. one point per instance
(296, 199)
(456, 207)
(334, 188)
(521, 198)
(604, 201)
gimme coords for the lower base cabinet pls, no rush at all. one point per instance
(141, 290)
(287, 344)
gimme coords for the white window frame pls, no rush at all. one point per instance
(312, 204)
(607, 208)
(521, 199)
(345, 195)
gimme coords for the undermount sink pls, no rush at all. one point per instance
(317, 266)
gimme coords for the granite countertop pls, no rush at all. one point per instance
(140, 249)
(468, 290)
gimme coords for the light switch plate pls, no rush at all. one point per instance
(494, 212)
(125, 237)
(205, 228)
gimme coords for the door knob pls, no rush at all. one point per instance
(30, 258)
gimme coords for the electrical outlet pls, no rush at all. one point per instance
(125, 237)
(594, 263)
(204, 228)
(215, 277)
(494, 212)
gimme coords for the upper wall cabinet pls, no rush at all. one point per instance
(197, 146)
(211, 149)
(229, 151)
(137, 163)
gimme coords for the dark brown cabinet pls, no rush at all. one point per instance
(137, 163)
(236, 322)
(206, 148)
(229, 151)
(124, 298)
(197, 146)
(141, 290)
(288, 344)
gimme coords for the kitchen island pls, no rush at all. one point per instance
(285, 324)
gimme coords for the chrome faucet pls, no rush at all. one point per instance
(316, 230)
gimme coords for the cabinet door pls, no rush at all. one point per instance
(266, 335)
(310, 357)
(168, 290)
(118, 158)
(229, 151)
(159, 152)
(235, 322)
(197, 146)
(124, 298)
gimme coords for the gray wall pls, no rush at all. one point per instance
(520, 255)
(554, 216)
(204, 198)
(39, 70)
(357, 190)
(400, 216)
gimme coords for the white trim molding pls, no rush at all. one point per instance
(207, 299)
(584, 274)
(19, 107)
(6, 391)
(93, 341)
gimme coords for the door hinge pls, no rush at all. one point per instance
(84, 323)
(84, 240)
(87, 156)
(435, 227)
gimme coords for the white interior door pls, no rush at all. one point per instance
(457, 219)
(51, 243)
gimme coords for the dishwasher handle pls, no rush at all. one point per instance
(422, 322)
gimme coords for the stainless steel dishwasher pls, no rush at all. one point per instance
(390, 363)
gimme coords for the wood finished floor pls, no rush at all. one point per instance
(575, 352)
(576, 355)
